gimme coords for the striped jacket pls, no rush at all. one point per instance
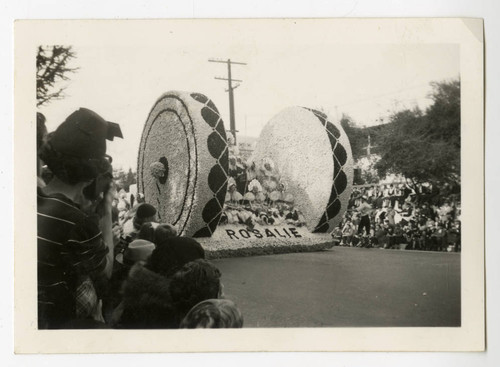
(70, 250)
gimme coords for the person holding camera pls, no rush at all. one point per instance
(74, 211)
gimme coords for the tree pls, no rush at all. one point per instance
(425, 147)
(357, 137)
(124, 179)
(52, 67)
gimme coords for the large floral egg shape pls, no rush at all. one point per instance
(183, 162)
(313, 155)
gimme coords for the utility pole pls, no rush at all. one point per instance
(230, 89)
(369, 146)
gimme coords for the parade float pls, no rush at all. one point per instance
(287, 197)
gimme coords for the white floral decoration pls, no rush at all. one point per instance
(157, 170)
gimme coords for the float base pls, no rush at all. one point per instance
(238, 241)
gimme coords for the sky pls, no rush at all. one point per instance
(366, 81)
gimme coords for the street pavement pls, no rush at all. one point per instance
(345, 287)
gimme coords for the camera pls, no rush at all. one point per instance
(97, 190)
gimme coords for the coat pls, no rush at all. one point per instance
(146, 301)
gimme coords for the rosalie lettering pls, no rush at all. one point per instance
(289, 232)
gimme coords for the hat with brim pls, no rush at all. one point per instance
(83, 135)
(137, 250)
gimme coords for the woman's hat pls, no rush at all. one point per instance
(145, 211)
(137, 250)
(83, 135)
(172, 253)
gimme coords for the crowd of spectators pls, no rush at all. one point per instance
(398, 216)
(104, 261)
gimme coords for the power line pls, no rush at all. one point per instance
(382, 95)
(230, 89)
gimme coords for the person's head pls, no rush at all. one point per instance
(76, 151)
(144, 213)
(137, 250)
(213, 314)
(196, 281)
(172, 253)
(156, 233)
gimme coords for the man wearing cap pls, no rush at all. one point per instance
(75, 239)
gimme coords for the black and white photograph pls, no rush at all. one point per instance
(256, 175)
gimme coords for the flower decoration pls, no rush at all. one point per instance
(267, 166)
(254, 186)
(157, 170)
(274, 196)
(249, 196)
(289, 198)
(269, 184)
(231, 184)
(236, 196)
(282, 186)
(230, 138)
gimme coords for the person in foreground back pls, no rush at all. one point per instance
(147, 301)
(196, 281)
(213, 314)
(75, 239)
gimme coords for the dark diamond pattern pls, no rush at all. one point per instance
(210, 116)
(224, 159)
(339, 179)
(341, 182)
(212, 106)
(216, 144)
(333, 140)
(336, 167)
(220, 128)
(340, 154)
(333, 209)
(204, 232)
(322, 228)
(217, 178)
(211, 210)
(213, 223)
(319, 114)
(200, 97)
(333, 130)
(221, 194)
